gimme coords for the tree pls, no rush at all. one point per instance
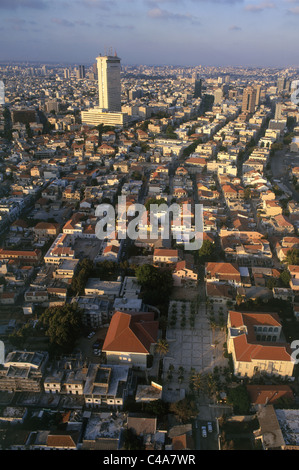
(162, 347)
(156, 284)
(238, 397)
(156, 408)
(63, 325)
(80, 278)
(153, 200)
(196, 381)
(132, 441)
(285, 277)
(292, 256)
(184, 409)
(272, 282)
(206, 252)
(247, 194)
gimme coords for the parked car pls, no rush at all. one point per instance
(210, 427)
(204, 431)
(91, 335)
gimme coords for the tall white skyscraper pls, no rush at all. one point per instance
(109, 83)
(109, 110)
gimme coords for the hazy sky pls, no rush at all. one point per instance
(171, 32)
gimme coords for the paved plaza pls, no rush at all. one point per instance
(197, 349)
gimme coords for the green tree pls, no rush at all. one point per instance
(63, 325)
(207, 252)
(153, 200)
(156, 408)
(156, 284)
(247, 193)
(196, 381)
(292, 256)
(132, 441)
(184, 409)
(238, 397)
(285, 277)
(162, 347)
(272, 282)
(80, 278)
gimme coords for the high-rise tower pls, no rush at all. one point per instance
(109, 82)
(249, 100)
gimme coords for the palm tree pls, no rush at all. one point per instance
(162, 347)
(196, 381)
(213, 327)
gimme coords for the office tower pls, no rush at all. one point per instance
(249, 100)
(278, 111)
(281, 82)
(95, 70)
(197, 88)
(109, 110)
(218, 96)
(109, 83)
(134, 94)
(258, 94)
(80, 72)
(52, 105)
(66, 73)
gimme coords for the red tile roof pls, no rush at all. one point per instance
(131, 333)
(247, 347)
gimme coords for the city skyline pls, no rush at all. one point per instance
(152, 32)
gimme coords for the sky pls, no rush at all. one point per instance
(256, 33)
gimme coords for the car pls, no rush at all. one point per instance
(204, 431)
(91, 335)
(210, 427)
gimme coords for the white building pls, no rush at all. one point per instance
(109, 83)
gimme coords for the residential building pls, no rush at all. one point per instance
(164, 257)
(223, 272)
(107, 385)
(23, 371)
